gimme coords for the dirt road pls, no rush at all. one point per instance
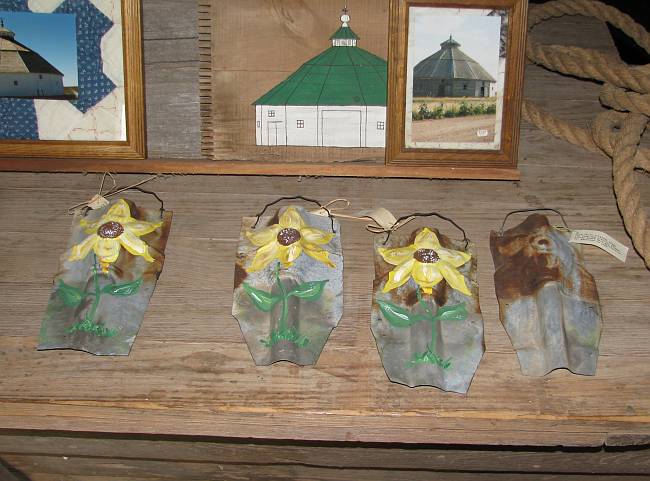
(456, 129)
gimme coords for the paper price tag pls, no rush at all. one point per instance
(600, 239)
(382, 217)
(97, 202)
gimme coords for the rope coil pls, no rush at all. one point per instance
(626, 90)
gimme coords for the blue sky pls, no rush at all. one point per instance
(478, 35)
(52, 35)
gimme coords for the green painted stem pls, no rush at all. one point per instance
(431, 318)
(285, 305)
(93, 310)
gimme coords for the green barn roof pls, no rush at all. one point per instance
(341, 75)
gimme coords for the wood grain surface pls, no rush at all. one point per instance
(272, 40)
(190, 372)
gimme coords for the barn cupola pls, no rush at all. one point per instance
(344, 36)
(5, 32)
(451, 43)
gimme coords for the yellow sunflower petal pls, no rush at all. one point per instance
(454, 278)
(399, 276)
(426, 275)
(398, 255)
(426, 239)
(264, 256)
(264, 236)
(107, 250)
(119, 209)
(452, 257)
(135, 245)
(89, 226)
(291, 218)
(321, 255)
(290, 253)
(81, 250)
(140, 227)
(316, 236)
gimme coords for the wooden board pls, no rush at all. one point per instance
(190, 372)
(272, 40)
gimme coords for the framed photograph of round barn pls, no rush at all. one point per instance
(455, 82)
(71, 83)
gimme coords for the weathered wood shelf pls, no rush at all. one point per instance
(221, 167)
(188, 403)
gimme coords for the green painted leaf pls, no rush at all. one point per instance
(71, 296)
(310, 291)
(263, 300)
(452, 313)
(397, 316)
(127, 289)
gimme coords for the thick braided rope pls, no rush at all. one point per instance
(626, 140)
(543, 120)
(624, 100)
(621, 144)
(575, 135)
(589, 63)
(595, 9)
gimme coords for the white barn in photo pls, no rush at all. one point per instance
(23, 72)
(336, 99)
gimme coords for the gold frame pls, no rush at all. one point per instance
(474, 160)
(15, 151)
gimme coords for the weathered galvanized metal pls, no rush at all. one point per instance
(102, 289)
(548, 302)
(286, 310)
(427, 338)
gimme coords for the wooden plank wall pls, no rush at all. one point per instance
(171, 58)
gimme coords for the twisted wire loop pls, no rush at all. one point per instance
(626, 90)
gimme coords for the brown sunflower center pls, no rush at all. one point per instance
(288, 236)
(110, 230)
(426, 256)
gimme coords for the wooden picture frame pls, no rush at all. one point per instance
(288, 34)
(413, 139)
(127, 90)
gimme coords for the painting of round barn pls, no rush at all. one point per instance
(336, 99)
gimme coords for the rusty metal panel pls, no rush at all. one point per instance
(286, 310)
(548, 301)
(102, 290)
(429, 330)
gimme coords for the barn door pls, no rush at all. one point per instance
(276, 133)
(341, 128)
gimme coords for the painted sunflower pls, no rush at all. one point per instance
(287, 240)
(114, 230)
(427, 262)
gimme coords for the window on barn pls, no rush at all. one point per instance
(300, 124)
(380, 125)
(464, 86)
(271, 113)
(40, 76)
(15, 82)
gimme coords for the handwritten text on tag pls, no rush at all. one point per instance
(600, 239)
